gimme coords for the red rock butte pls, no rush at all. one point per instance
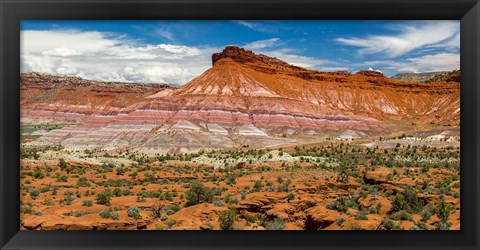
(243, 99)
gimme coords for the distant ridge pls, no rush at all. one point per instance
(437, 76)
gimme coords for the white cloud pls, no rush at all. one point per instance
(261, 44)
(102, 56)
(63, 52)
(376, 70)
(425, 63)
(106, 57)
(166, 34)
(258, 26)
(410, 37)
(245, 23)
(292, 57)
(442, 61)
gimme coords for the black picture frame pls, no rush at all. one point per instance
(13, 11)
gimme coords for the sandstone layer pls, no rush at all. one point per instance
(243, 100)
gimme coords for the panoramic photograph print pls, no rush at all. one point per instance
(239, 125)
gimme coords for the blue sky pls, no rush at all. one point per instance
(177, 51)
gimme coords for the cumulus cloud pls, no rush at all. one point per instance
(262, 44)
(410, 37)
(291, 56)
(103, 56)
(425, 63)
(108, 57)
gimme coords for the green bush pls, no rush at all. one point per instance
(362, 215)
(227, 219)
(290, 197)
(82, 182)
(109, 214)
(444, 210)
(420, 225)
(341, 204)
(407, 201)
(134, 212)
(48, 202)
(34, 194)
(104, 198)
(401, 215)
(356, 227)
(62, 178)
(390, 225)
(198, 193)
(173, 208)
(87, 203)
(38, 173)
(276, 224)
(442, 225)
(427, 212)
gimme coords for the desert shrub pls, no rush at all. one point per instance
(427, 212)
(38, 173)
(284, 186)
(104, 198)
(134, 212)
(280, 179)
(68, 198)
(117, 192)
(442, 225)
(26, 208)
(157, 210)
(340, 221)
(390, 225)
(141, 199)
(82, 182)
(407, 201)
(420, 225)
(231, 180)
(258, 185)
(276, 224)
(109, 214)
(198, 193)
(401, 215)
(342, 175)
(362, 215)
(356, 227)
(341, 204)
(172, 208)
(62, 163)
(227, 219)
(62, 178)
(168, 196)
(218, 202)
(47, 202)
(34, 193)
(164, 217)
(227, 198)
(87, 203)
(444, 209)
(290, 197)
(80, 213)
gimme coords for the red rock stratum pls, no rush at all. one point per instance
(244, 99)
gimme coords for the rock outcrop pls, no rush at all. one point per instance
(243, 100)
